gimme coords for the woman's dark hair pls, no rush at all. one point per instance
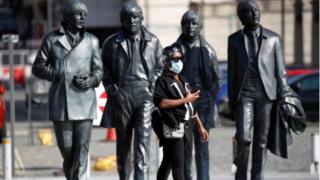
(170, 53)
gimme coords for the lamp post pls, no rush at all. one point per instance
(49, 14)
(283, 25)
(11, 39)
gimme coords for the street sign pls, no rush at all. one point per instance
(13, 37)
(101, 102)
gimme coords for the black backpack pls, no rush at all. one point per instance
(157, 125)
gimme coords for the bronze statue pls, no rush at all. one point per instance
(132, 62)
(200, 54)
(69, 57)
(256, 79)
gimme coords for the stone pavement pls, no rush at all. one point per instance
(269, 176)
(43, 162)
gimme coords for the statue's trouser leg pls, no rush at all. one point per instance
(244, 119)
(201, 152)
(142, 125)
(252, 112)
(134, 113)
(122, 111)
(73, 138)
(261, 126)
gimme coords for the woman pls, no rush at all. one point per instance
(174, 99)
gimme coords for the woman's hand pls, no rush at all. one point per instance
(191, 97)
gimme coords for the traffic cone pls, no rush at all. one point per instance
(111, 134)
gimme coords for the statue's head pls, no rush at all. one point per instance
(191, 23)
(74, 14)
(248, 12)
(131, 18)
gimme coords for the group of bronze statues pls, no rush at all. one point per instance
(129, 65)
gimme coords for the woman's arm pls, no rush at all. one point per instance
(172, 103)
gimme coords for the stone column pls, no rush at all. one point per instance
(298, 34)
(283, 30)
(315, 34)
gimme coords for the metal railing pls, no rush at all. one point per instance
(20, 59)
(36, 90)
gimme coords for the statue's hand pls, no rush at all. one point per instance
(83, 82)
(204, 134)
(289, 109)
(113, 90)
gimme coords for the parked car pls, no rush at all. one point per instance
(223, 71)
(222, 100)
(2, 111)
(300, 71)
(222, 96)
(297, 78)
(307, 88)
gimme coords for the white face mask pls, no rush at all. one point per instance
(176, 66)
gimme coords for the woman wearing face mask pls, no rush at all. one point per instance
(174, 99)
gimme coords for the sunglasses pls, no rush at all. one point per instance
(175, 59)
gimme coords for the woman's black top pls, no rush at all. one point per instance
(167, 87)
